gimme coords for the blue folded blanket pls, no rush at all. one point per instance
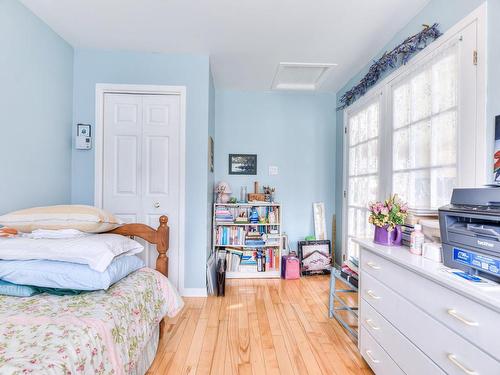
(15, 290)
(27, 277)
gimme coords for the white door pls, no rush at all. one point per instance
(141, 171)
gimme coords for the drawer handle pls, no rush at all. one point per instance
(373, 265)
(371, 294)
(369, 355)
(457, 316)
(371, 325)
(453, 359)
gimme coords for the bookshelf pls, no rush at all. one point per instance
(242, 241)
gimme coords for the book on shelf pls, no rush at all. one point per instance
(240, 214)
(230, 236)
(249, 258)
(246, 260)
(248, 248)
(353, 264)
(223, 215)
(349, 274)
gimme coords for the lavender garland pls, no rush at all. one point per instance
(402, 53)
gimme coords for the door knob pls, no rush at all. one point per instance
(156, 204)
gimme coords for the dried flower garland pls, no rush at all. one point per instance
(403, 52)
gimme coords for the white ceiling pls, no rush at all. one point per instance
(245, 39)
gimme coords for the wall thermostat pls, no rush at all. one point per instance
(83, 143)
(83, 137)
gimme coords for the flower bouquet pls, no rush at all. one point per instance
(388, 216)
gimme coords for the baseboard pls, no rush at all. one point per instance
(194, 292)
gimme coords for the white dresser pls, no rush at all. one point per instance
(417, 319)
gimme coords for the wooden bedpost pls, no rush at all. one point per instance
(158, 237)
(162, 234)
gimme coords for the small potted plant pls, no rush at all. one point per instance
(388, 216)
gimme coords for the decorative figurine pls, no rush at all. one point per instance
(223, 191)
(269, 193)
(254, 216)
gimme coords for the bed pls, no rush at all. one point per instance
(105, 332)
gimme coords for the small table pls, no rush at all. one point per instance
(335, 275)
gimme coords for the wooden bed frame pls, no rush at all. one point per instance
(158, 237)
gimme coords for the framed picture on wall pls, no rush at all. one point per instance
(210, 154)
(243, 164)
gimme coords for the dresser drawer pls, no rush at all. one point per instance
(406, 355)
(375, 356)
(452, 353)
(475, 322)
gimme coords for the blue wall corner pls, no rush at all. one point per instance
(36, 75)
(293, 131)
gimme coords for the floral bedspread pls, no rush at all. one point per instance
(94, 333)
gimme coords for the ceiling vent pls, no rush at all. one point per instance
(300, 76)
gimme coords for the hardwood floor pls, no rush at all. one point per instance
(259, 327)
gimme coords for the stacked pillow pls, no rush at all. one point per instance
(61, 252)
(83, 218)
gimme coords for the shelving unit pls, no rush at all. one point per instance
(235, 237)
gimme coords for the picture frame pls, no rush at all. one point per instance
(496, 152)
(319, 220)
(83, 130)
(243, 164)
(315, 257)
(210, 154)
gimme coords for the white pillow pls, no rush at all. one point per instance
(84, 218)
(97, 250)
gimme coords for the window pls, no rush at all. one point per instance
(362, 176)
(419, 133)
(424, 132)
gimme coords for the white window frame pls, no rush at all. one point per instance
(371, 97)
(483, 131)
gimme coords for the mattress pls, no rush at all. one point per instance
(104, 332)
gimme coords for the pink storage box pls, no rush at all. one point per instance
(290, 267)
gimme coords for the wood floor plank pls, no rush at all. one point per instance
(260, 327)
(181, 354)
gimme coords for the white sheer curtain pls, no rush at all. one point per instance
(424, 132)
(363, 171)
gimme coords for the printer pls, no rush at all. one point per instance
(470, 231)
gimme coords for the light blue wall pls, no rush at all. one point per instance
(210, 174)
(35, 115)
(293, 131)
(96, 66)
(446, 13)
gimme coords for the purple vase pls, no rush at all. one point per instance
(383, 237)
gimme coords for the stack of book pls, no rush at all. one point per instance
(248, 261)
(272, 258)
(254, 239)
(233, 259)
(223, 215)
(230, 236)
(350, 271)
(272, 239)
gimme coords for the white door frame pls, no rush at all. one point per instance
(105, 88)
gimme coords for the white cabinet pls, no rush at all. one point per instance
(424, 322)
